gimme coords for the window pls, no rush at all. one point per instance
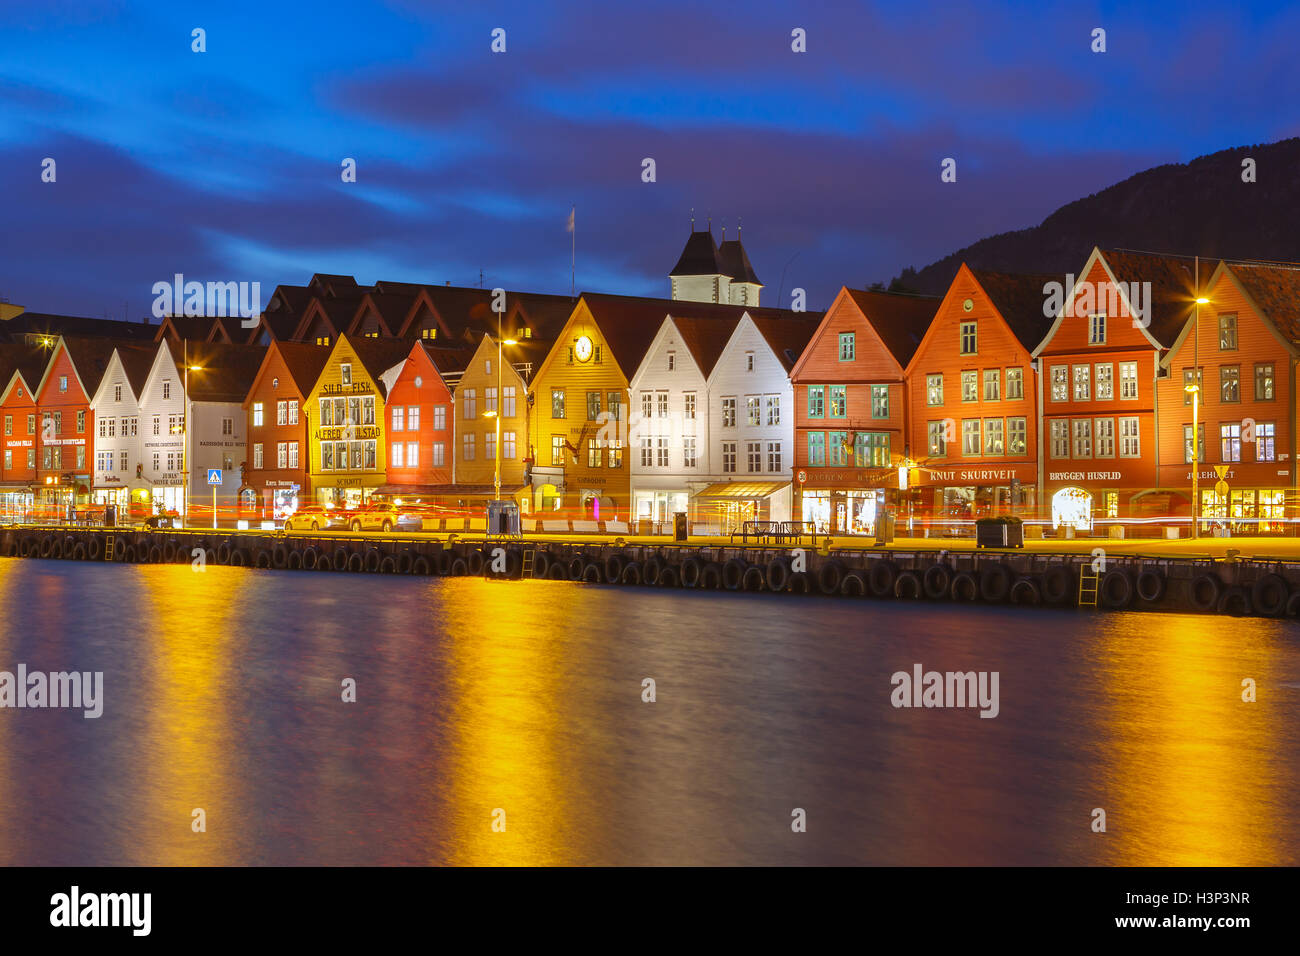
(1060, 383)
(1200, 443)
(754, 453)
(937, 439)
(594, 453)
(816, 401)
(112, 428)
(282, 413)
(507, 406)
(613, 402)
(1097, 330)
(1230, 442)
(749, 361)
(490, 400)
(615, 448)
(991, 383)
(816, 449)
(1082, 438)
(81, 424)
(327, 456)
(848, 346)
(647, 404)
(1264, 383)
(688, 451)
(471, 403)
(968, 340)
(9, 425)
(227, 426)
(1230, 383)
(970, 386)
(1015, 383)
(1017, 436)
(1264, 434)
(593, 406)
(872, 448)
(439, 454)
(257, 417)
(1105, 436)
(440, 418)
(31, 458)
(467, 448)
(729, 457)
(399, 418)
(1227, 332)
(754, 411)
(970, 437)
(661, 404)
(647, 452)
(413, 450)
(31, 424)
(282, 455)
(879, 401)
(167, 389)
(487, 366)
(490, 446)
(257, 456)
(1128, 380)
(1104, 376)
(557, 449)
(1188, 381)
(993, 436)
(1129, 444)
(837, 448)
(774, 456)
(774, 410)
(63, 383)
(689, 412)
(729, 412)
(934, 389)
(293, 454)
(345, 373)
(839, 401)
(661, 452)
(293, 411)
(672, 361)
(1082, 383)
(117, 393)
(398, 455)
(557, 403)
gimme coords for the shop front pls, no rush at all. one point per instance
(1244, 498)
(132, 501)
(845, 501)
(952, 498)
(1081, 499)
(725, 506)
(17, 502)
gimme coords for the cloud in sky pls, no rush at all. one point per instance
(225, 164)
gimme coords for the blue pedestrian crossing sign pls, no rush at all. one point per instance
(214, 476)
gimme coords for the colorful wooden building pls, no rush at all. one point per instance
(421, 422)
(21, 367)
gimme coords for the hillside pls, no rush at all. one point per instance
(1201, 207)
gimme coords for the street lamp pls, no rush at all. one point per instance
(1194, 389)
(496, 481)
(185, 436)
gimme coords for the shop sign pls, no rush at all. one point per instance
(347, 433)
(63, 441)
(971, 475)
(19, 444)
(1085, 476)
(356, 388)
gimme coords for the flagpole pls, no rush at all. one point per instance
(573, 251)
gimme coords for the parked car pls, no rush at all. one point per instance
(386, 516)
(314, 518)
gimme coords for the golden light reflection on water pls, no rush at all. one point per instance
(185, 764)
(504, 722)
(1190, 772)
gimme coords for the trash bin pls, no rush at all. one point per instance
(503, 518)
(110, 516)
(884, 527)
(679, 525)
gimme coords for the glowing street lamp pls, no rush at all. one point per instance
(1194, 389)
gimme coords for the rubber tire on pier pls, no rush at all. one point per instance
(1268, 595)
(47, 545)
(294, 561)
(459, 567)
(733, 574)
(95, 549)
(223, 552)
(937, 582)
(557, 572)
(476, 561)
(853, 584)
(262, 558)
(614, 567)
(541, 563)
(907, 585)
(340, 559)
(169, 551)
(1115, 590)
(238, 558)
(1293, 605)
(1234, 601)
(652, 566)
(1057, 583)
(800, 583)
(128, 554)
(356, 563)
(592, 574)
(1151, 584)
(421, 566)
(388, 564)
(576, 567)
(631, 573)
(778, 574)
(881, 577)
(755, 578)
(829, 577)
(79, 551)
(280, 555)
(1025, 591)
(1203, 593)
(965, 587)
(69, 543)
(442, 562)
(995, 582)
(373, 559)
(155, 554)
(668, 576)
(310, 558)
(690, 571)
(710, 576)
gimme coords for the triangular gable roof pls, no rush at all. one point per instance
(1274, 292)
(196, 327)
(705, 339)
(699, 256)
(900, 319)
(280, 318)
(303, 360)
(391, 309)
(228, 371)
(22, 363)
(787, 338)
(447, 361)
(135, 362)
(336, 312)
(379, 356)
(89, 358)
(1019, 300)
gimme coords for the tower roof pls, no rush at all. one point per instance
(735, 263)
(700, 257)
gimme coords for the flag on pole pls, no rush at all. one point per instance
(571, 212)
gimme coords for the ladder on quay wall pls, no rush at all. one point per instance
(1089, 585)
(527, 570)
(108, 547)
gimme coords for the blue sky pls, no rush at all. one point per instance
(225, 165)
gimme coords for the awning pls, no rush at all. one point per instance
(739, 490)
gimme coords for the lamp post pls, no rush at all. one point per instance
(185, 437)
(500, 409)
(1195, 390)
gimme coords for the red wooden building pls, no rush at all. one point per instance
(421, 421)
(21, 368)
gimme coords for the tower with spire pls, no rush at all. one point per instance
(707, 272)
